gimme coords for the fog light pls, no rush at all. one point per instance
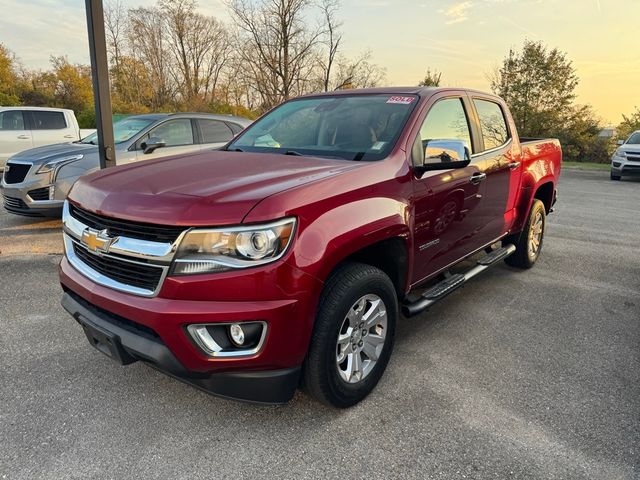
(237, 334)
(52, 191)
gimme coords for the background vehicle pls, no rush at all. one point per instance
(626, 159)
(22, 128)
(37, 181)
(292, 257)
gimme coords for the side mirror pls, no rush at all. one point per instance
(620, 142)
(440, 155)
(151, 144)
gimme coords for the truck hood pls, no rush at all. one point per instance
(40, 155)
(204, 189)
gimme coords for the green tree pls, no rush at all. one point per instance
(629, 124)
(8, 78)
(431, 79)
(73, 87)
(539, 86)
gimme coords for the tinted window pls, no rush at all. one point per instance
(235, 128)
(447, 121)
(174, 132)
(48, 120)
(492, 124)
(11, 120)
(214, 131)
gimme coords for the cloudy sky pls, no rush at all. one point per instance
(464, 39)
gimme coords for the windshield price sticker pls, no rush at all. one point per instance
(401, 100)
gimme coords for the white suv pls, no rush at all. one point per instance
(626, 158)
(22, 128)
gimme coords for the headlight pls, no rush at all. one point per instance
(58, 162)
(222, 249)
(620, 153)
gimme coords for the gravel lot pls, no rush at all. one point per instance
(518, 375)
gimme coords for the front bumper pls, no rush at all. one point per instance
(125, 343)
(269, 376)
(625, 167)
(18, 198)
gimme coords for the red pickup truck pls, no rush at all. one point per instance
(286, 258)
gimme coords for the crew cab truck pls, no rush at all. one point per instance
(286, 258)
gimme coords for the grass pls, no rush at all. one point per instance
(604, 167)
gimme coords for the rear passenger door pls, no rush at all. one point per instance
(213, 133)
(50, 127)
(15, 135)
(503, 171)
(178, 136)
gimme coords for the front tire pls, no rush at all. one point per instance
(353, 335)
(615, 177)
(529, 242)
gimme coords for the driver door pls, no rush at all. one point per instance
(448, 204)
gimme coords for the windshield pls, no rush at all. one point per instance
(122, 130)
(634, 139)
(357, 127)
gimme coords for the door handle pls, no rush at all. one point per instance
(24, 137)
(69, 136)
(476, 178)
(514, 165)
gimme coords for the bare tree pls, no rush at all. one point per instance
(200, 48)
(116, 24)
(148, 44)
(358, 73)
(281, 45)
(332, 38)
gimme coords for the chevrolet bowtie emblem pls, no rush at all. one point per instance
(97, 240)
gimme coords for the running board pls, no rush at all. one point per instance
(453, 282)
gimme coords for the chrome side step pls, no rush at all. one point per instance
(453, 282)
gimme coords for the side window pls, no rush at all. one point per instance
(174, 132)
(11, 120)
(446, 121)
(214, 131)
(43, 120)
(492, 123)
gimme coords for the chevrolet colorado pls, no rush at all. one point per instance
(286, 258)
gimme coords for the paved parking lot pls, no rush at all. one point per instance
(518, 375)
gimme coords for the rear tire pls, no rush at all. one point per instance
(529, 242)
(615, 177)
(353, 335)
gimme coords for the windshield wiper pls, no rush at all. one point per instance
(294, 153)
(234, 150)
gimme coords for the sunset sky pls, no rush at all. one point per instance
(464, 39)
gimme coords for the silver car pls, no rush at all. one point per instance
(626, 158)
(36, 181)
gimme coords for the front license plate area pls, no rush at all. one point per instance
(106, 342)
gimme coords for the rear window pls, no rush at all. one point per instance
(214, 131)
(492, 124)
(43, 120)
(11, 120)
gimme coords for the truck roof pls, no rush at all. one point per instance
(412, 90)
